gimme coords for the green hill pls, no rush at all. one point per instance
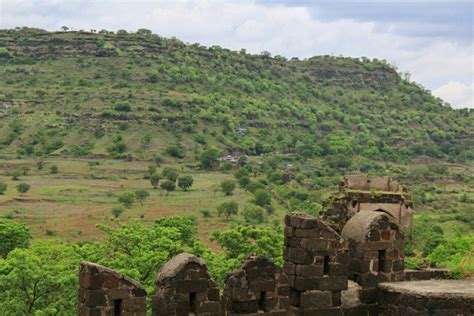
(137, 94)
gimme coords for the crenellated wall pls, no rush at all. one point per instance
(324, 273)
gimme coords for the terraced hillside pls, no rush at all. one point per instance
(138, 95)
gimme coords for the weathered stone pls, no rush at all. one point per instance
(101, 288)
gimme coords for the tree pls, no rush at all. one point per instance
(13, 235)
(144, 32)
(39, 280)
(228, 186)
(127, 199)
(240, 241)
(262, 198)
(3, 188)
(185, 182)
(254, 214)
(228, 209)
(64, 28)
(209, 158)
(141, 195)
(168, 186)
(154, 180)
(170, 174)
(117, 210)
(23, 188)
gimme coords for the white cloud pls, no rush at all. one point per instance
(286, 30)
(459, 95)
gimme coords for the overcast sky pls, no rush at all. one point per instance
(430, 39)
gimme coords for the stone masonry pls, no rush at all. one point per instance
(358, 272)
(258, 287)
(104, 292)
(376, 251)
(426, 298)
(361, 193)
(184, 287)
(316, 261)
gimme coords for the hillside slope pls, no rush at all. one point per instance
(135, 95)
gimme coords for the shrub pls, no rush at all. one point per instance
(262, 198)
(209, 158)
(254, 214)
(228, 186)
(154, 180)
(141, 195)
(23, 188)
(122, 107)
(168, 186)
(53, 169)
(126, 198)
(170, 173)
(206, 213)
(228, 209)
(117, 210)
(175, 151)
(185, 182)
(158, 160)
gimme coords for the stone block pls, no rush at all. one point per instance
(95, 298)
(90, 282)
(298, 255)
(333, 283)
(305, 284)
(308, 271)
(316, 299)
(191, 286)
(262, 286)
(315, 244)
(337, 269)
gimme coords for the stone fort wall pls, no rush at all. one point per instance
(324, 273)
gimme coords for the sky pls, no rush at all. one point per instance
(430, 39)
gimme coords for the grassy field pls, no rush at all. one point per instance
(71, 203)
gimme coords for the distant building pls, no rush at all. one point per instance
(241, 131)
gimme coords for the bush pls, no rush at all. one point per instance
(126, 198)
(228, 209)
(175, 151)
(170, 173)
(53, 169)
(154, 180)
(168, 186)
(254, 214)
(455, 254)
(158, 160)
(141, 195)
(228, 186)
(254, 186)
(206, 213)
(23, 188)
(209, 158)
(122, 107)
(185, 182)
(117, 210)
(262, 198)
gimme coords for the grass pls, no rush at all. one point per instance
(71, 203)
